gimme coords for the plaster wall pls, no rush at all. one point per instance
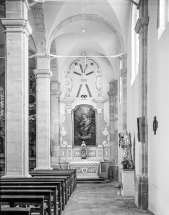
(132, 114)
(132, 105)
(158, 88)
(132, 102)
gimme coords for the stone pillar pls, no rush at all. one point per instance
(55, 140)
(124, 91)
(43, 145)
(113, 122)
(141, 185)
(17, 30)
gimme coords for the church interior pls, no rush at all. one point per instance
(82, 98)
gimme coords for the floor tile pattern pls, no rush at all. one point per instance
(100, 199)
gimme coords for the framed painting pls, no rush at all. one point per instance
(84, 125)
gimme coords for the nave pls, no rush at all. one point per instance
(101, 199)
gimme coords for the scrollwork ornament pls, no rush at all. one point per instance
(63, 143)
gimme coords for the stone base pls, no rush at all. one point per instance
(55, 166)
(127, 179)
(17, 176)
(113, 173)
(141, 192)
(43, 168)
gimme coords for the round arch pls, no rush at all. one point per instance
(89, 17)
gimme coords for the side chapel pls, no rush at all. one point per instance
(84, 85)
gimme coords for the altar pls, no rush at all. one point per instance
(86, 169)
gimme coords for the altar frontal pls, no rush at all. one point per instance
(86, 169)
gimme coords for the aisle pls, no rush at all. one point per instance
(100, 199)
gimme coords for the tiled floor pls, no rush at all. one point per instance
(100, 199)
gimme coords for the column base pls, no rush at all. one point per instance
(113, 173)
(141, 192)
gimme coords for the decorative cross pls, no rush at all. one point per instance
(83, 75)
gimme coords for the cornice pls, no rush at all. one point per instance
(140, 23)
(43, 73)
(16, 25)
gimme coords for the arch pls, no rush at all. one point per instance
(89, 17)
(39, 21)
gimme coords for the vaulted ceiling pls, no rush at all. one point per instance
(105, 23)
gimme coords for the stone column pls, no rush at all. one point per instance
(113, 122)
(43, 145)
(17, 30)
(55, 140)
(124, 91)
(141, 186)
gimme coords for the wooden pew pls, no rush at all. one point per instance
(14, 211)
(68, 172)
(66, 180)
(71, 181)
(37, 182)
(40, 179)
(46, 193)
(53, 189)
(12, 199)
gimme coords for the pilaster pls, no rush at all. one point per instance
(55, 146)
(100, 102)
(113, 122)
(43, 144)
(69, 137)
(141, 187)
(17, 30)
(123, 74)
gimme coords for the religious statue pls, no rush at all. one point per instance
(125, 143)
(83, 150)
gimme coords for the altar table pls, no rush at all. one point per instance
(86, 169)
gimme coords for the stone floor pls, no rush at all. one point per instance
(100, 199)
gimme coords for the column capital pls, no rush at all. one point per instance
(141, 22)
(43, 73)
(100, 102)
(16, 25)
(68, 102)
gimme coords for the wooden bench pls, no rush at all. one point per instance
(45, 193)
(39, 187)
(53, 189)
(15, 211)
(66, 188)
(37, 182)
(69, 172)
(12, 199)
(70, 179)
(40, 179)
